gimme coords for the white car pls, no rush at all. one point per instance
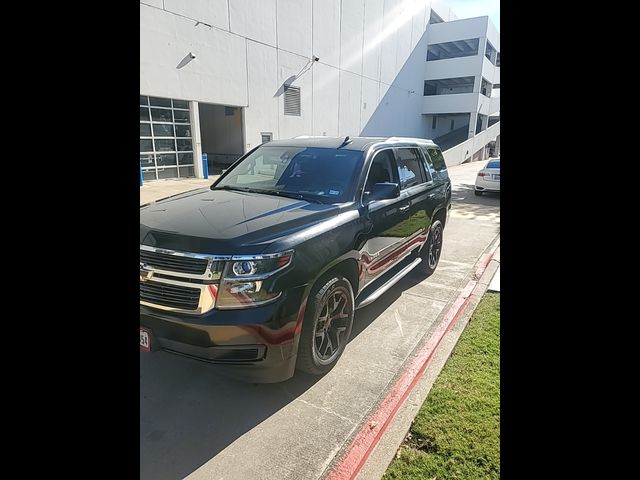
(488, 179)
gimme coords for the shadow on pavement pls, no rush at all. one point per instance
(465, 203)
(189, 411)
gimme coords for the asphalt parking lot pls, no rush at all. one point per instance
(195, 422)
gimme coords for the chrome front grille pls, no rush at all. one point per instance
(175, 296)
(179, 281)
(173, 263)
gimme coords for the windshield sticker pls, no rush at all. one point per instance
(334, 192)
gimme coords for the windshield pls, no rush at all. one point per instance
(493, 164)
(321, 174)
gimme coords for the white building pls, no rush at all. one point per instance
(218, 77)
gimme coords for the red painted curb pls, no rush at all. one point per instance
(370, 433)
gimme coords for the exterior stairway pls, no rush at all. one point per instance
(452, 138)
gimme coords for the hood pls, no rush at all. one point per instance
(226, 222)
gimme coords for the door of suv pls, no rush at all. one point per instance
(418, 190)
(383, 235)
(438, 169)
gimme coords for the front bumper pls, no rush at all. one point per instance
(255, 344)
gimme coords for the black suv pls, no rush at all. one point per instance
(263, 271)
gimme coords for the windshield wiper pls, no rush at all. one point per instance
(279, 193)
(284, 193)
(237, 189)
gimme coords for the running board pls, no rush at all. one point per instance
(392, 281)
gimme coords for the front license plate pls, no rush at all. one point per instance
(496, 177)
(145, 340)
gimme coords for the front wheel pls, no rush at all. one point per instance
(431, 251)
(477, 192)
(327, 325)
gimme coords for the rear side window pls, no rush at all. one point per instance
(437, 159)
(410, 168)
(493, 164)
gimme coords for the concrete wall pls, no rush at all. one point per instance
(459, 30)
(458, 103)
(453, 67)
(372, 55)
(166, 39)
(465, 150)
(399, 110)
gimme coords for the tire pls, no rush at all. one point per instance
(316, 351)
(477, 192)
(431, 251)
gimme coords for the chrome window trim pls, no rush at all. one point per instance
(373, 151)
(390, 144)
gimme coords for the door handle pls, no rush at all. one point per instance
(431, 195)
(404, 208)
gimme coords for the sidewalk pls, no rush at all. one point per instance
(158, 189)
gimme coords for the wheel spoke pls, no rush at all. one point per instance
(339, 334)
(329, 345)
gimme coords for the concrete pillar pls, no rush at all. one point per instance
(195, 138)
(473, 120)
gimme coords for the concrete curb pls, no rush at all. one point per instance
(374, 445)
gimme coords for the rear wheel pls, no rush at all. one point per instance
(327, 325)
(431, 251)
(477, 192)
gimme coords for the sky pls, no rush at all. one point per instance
(477, 8)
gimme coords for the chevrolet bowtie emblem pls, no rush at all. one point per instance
(145, 274)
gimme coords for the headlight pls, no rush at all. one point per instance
(242, 284)
(244, 268)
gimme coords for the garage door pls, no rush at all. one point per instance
(166, 144)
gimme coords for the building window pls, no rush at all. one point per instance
(229, 111)
(434, 122)
(448, 86)
(292, 100)
(456, 49)
(166, 148)
(266, 136)
(498, 60)
(491, 53)
(485, 88)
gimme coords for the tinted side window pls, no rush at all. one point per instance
(426, 163)
(381, 169)
(437, 160)
(410, 168)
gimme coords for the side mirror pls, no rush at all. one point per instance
(383, 191)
